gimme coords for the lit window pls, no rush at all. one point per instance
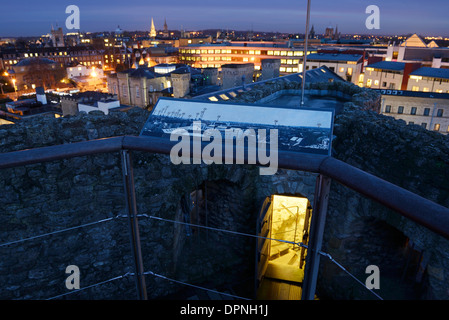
(415, 88)
(290, 53)
(282, 69)
(270, 53)
(283, 53)
(437, 127)
(213, 99)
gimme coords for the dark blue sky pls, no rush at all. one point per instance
(31, 17)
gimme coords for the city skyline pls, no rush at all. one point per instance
(29, 18)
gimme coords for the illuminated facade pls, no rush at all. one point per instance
(429, 110)
(429, 80)
(214, 56)
(347, 66)
(86, 55)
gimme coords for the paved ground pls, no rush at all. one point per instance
(290, 100)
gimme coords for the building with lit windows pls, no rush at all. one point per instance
(426, 109)
(37, 72)
(414, 49)
(388, 75)
(216, 55)
(429, 80)
(85, 54)
(347, 66)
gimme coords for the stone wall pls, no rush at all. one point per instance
(43, 198)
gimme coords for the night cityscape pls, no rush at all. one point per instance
(95, 208)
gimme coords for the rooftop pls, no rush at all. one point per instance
(388, 65)
(335, 57)
(414, 94)
(431, 73)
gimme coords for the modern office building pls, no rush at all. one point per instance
(429, 80)
(388, 75)
(216, 55)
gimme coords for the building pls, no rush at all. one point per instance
(88, 101)
(57, 37)
(144, 85)
(270, 69)
(87, 79)
(234, 75)
(26, 108)
(347, 66)
(216, 55)
(153, 32)
(37, 72)
(429, 80)
(427, 109)
(388, 75)
(83, 54)
(414, 49)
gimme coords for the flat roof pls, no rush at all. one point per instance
(413, 94)
(334, 56)
(388, 65)
(431, 72)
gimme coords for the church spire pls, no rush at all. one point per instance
(153, 29)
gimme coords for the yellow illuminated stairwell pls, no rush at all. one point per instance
(285, 271)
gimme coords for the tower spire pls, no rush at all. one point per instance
(153, 29)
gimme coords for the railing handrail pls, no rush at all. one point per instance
(433, 216)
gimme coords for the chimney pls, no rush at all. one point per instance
(40, 95)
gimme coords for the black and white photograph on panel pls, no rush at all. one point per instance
(305, 130)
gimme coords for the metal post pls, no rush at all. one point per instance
(306, 44)
(128, 180)
(316, 237)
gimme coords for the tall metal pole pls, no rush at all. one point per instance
(321, 199)
(306, 45)
(128, 180)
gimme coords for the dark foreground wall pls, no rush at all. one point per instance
(44, 198)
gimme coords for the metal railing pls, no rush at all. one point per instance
(412, 206)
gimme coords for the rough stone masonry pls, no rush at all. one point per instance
(47, 197)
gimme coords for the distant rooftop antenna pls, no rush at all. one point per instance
(306, 44)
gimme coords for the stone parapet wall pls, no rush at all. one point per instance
(42, 198)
